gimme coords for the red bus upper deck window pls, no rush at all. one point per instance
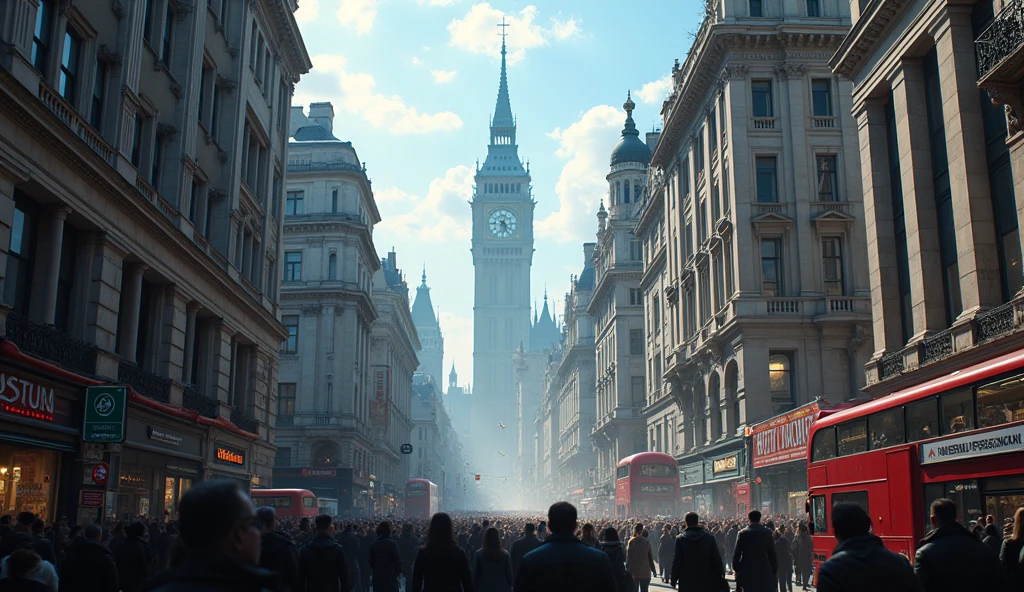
(886, 428)
(853, 436)
(657, 471)
(824, 445)
(957, 411)
(922, 420)
(1001, 401)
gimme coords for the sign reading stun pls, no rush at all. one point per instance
(783, 438)
(984, 444)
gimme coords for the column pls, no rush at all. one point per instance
(102, 259)
(910, 104)
(977, 254)
(191, 312)
(48, 267)
(130, 313)
(172, 319)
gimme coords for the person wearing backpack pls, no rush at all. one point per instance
(697, 564)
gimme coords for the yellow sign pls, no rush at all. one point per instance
(725, 464)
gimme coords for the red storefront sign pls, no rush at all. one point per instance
(782, 438)
(25, 397)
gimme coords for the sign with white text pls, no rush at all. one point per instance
(1009, 439)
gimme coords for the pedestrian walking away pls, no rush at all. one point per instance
(524, 545)
(408, 545)
(696, 561)
(640, 559)
(441, 565)
(88, 565)
(133, 559)
(385, 560)
(27, 572)
(860, 561)
(492, 566)
(754, 558)
(951, 559)
(323, 566)
(563, 563)
(666, 547)
(784, 557)
(803, 556)
(612, 547)
(278, 553)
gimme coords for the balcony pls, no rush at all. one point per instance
(244, 421)
(47, 342)
(152, 196)
(760, 209)
(200, 403)
(763, 123)
(81, 128)
(823, 122)
(147, 384)
(999, 47)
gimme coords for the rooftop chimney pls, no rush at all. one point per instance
(652, 139)
(393, 261)
(322, 114)
(588, 252)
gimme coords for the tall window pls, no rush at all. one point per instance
(705, 294)
(332, 267)
(767, 185)
(656, 314)
(168, 41)
(334, 200)
(832, 266)
(756, 7)
(636, 342)
(636, 297)
(821, 97)
(291, 344)
(813, 8)
(771, 267)
(689, 237)
(99, 91)
(21, 254)
(286, 398)
(68, 83)
(293, 203)
(636, 250)
(148, 18)
(41, 36)
(827, 186)
(719, 282)
(762, 95)
(899, 226)
(158, 160)
(698, 154)
(625, 195)
(780, 380)
(293, 266)
(140, 124)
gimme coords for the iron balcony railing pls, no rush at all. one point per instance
(47, 342)
(200, 403)
(146, 383)
(1003, 38)
(245, 421)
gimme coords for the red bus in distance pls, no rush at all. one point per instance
(646, 484)
(420, 498)
(959, 436)
(287, 503)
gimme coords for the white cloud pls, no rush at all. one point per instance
(442, 216)
(330, 80)
(442, 76)
(654, 93)
(436, 2)
(358, 15)
(476, 31)
(585, 146)
(458, 343)
(308, 11)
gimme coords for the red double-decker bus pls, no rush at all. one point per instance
(420, 498)
(959, 436)
(646, 484)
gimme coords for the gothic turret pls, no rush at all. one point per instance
(431, 353)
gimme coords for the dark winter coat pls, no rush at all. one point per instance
(521, 547)
(17, 539)
(784, 556)
(279, 555)
(863, 563)
(1009, 556)
(666, 547)
(617, 556)
(696, 563)
(803, 553)
(993, 538)
(22, 585)
(564, 564)
(323, 567)
(492, 576)
(441, 570)
(951, 558)
(754, 559)
(214, 574)
(476, 540)
(408, 546)
(365, 542)
(386, 563)
(350, 541)
(44, 547)
(133, 561)
(730, 541)
(88, 566)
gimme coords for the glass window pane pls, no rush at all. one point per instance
(858, 497)
(1001, 401)
(819, 514)
(957, 411)
(853, 437)
(922, 420)
(824, 445)
(886, 428)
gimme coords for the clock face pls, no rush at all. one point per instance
(502, 223)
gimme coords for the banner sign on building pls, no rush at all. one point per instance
(105, 410)
(984, 444)
(691, 474)
(783, 438)
(381, 395)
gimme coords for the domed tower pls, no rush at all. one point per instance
(629, 161)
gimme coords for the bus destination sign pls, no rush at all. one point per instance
(1009, 439)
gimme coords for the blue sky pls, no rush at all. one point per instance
(413, 83)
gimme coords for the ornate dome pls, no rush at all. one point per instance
(630, 147)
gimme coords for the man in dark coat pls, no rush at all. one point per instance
(323, 566)
(784, 558)
(860, 561)
(696, 562)
(216, 524)
(730, 544)
(754, 557)
(349, 541)
(385, 560)
(408, 546)
(476, 540)
(88, 565)
(365, 542)
(133, 558)
(522, 546)
(564, 563)
(277, 552)
(951, 558)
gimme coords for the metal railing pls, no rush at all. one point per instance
(936, 347)
(200, 403)
(47, 342)
(147, 384)
(1003, 38)
(890, 365)
(244, 421)
(70, 117)
(997, 322)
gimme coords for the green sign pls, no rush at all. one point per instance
(105, 410)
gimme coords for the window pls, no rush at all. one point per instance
(332, 267)
(819, 515)
(291, 344)
(853, 437)
(858, 497)
(99, 91)
(1001, 401)
(293, 203)
(21, 255)
(886, 428)
(286, 398)
(147, 30)
(824, 445)
(684, 176)
(899, 227)
(922, 420)
(334, 200)
(756, 7)
(622, 472)
(636, 297)
(767, 186)
(168, 40)
(771, 267)
(41, 36)
(821, 97)
(828, 189)
(813, 8)
(651, 470)
(832, 266)
(636, 342)
(698, 154)
(140, 122)
(957, 411)
(762, 94)
(780, 379)
(636, 250)
(68, 83)
(158, 160)
(293, 266)
(656, 314)
(637, 389)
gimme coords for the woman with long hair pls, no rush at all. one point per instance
(589, 536)
(441, 566)
(492, 565)
(1009, 554)
(611, 545)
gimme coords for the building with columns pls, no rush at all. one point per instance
(765, 304)
(428, 327)
(437, 451)
(143, 151)
(942, 166)
(327, 398)
(616, 308)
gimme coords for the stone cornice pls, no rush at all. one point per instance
(286, 29)
(875, 22)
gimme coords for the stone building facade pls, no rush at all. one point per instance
(529, 379)
(942, 168)
(437, 451)
(328, 309)
(144, 145)
(766, 297)
(428, 327)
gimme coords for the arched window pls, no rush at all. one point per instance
(780, 381)
(618, 191)
(625, 196)
(326, 456)
(332, 267)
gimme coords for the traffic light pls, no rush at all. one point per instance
(478, 477)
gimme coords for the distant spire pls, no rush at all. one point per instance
(424, 276)
(630, 128)
(503, 110)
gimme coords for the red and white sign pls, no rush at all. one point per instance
(100, 474)
(25, 397)
(782, 438)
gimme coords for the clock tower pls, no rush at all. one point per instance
(502, 249)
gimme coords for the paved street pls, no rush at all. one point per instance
(657, 585)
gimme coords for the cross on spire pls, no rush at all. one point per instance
(503, 33)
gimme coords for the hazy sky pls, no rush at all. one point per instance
(413, 83)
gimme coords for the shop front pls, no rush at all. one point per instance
(691, 478)
(228, 458)
(40, 422)
(778, 449)
(722, 472)
(159, 461)
(326, 483)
